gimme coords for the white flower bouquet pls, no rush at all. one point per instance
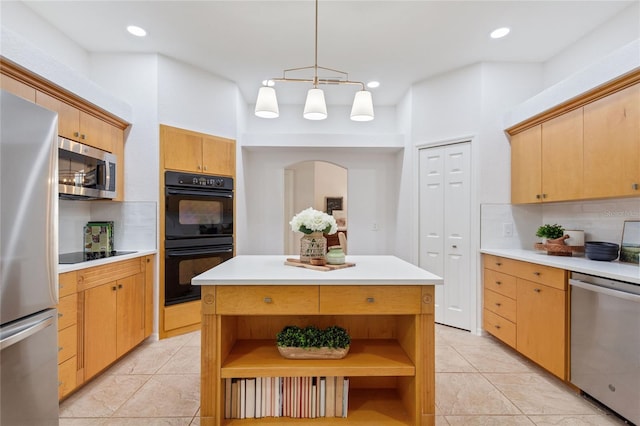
(310, 220)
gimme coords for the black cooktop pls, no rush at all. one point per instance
(80, 256)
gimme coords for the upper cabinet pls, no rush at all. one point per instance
(197, 152)
(586, 149)
(546, 161)
(612, 145)
(77, 125)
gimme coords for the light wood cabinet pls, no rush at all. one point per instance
(526, 306)
(67, 333)
(612, 145)
(104, 312)
(526, 166)
(562, 157)
(78, 125)
(197, 152)
(390, 363)
(17, 88)
(114, 321)
(546, 161)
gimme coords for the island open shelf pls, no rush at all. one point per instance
(375, 357)
(390, 364)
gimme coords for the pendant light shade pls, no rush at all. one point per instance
(267, 103)
(315, 108)
(362, 109)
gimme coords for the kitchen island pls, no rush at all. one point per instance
(385, 303)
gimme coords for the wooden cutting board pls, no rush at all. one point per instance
(327, 267)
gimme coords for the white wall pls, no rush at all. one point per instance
(330, 181)
(372, 182)
(619, 31)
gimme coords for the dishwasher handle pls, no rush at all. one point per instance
(606, 291)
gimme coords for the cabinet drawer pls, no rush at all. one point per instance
(67, 311)
(67, 377)
(67, 283)
(547, 275)
(266, 300)
(370, 299)
(500, 283)
(67, 343)
(501, 328)
(501, 264)
(499, 304)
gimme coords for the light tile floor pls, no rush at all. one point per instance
(479, 381)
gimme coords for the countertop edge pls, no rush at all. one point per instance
(91, 263)
(613, 270)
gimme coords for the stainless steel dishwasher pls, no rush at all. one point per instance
(605, 342)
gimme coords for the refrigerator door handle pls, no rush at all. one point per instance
(24, 331)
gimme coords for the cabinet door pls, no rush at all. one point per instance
(18, 88)
(182, 150)
(130, 313)
(68, 116)
(541, 325)
(612, 145)
(526, 166)
(148, 295)
(99, 328)
(95, 132)
(117, 141)
(219, 156)
(562, 157)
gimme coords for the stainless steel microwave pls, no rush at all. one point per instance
(85, 172)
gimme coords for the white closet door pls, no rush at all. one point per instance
(432, 218)
(445, 222)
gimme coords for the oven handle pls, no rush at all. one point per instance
(208, 193)
(606, 291)
(186, 253)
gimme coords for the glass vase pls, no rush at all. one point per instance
(312, 245)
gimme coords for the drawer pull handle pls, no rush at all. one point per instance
(60, 348)
(498, 264)
(498, 304)
(454, 246)
(267, 300)
(119, 285)
(635, 186)
(60, 315)
(498, 327)
(537, 274)
(114, 288)
(537, 290)
(370, 300)
(498, 282)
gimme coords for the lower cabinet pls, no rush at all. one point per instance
(113, 322)
(525, 306)
(104, 312)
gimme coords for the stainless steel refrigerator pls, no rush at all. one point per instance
(28, 263)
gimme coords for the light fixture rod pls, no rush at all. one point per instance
(315, 78)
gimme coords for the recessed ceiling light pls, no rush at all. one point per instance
(373, 84)
(136, 31)
(500, 32)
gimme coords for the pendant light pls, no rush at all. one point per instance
(315, 107)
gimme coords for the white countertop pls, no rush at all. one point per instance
(88, 264)
(271, 270)
(614, 270)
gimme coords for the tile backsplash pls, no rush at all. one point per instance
(601, 220)
(135, 223)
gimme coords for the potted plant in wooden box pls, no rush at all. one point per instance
(313, 343)
(553, 240)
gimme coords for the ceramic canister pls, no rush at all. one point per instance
(576, 238)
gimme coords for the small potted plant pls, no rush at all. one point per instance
(550, 232)
(311, 342)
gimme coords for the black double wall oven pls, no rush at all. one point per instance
(198, 230)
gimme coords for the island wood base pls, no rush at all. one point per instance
(391, 362)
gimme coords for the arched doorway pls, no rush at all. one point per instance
(313, 184)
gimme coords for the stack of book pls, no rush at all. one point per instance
(298, 397)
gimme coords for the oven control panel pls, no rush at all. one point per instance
(189, 180)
